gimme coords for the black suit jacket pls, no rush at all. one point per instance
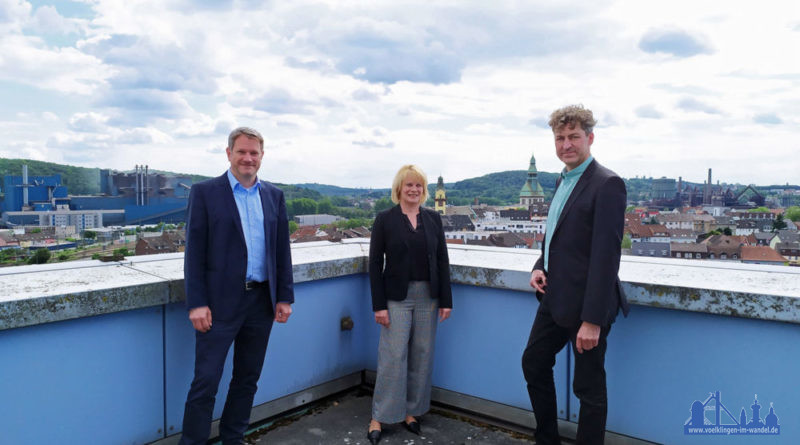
(215, 261)
(389, 279)
(585, 248)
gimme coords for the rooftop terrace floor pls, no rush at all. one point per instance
(343, 419)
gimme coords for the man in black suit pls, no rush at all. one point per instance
(238, 280)
(576, 280)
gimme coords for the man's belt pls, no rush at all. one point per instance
(250, 285)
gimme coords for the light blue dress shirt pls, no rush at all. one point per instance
(248, 202)
(568, 181)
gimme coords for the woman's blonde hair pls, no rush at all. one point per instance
(401, 176)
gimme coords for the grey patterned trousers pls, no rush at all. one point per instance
(405, 356)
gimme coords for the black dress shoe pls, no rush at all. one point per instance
(412, 426)
(374, 436)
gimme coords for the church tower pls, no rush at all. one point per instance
(532, 193)
(440, 198)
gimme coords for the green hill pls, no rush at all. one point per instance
(333, 190)
(501, 188)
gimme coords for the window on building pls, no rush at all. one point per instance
(697, 255)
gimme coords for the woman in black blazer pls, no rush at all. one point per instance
(409, 274)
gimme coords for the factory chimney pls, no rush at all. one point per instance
(25, 186)
(707, 191)
(138, 185)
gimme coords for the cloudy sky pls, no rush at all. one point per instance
(347, 91)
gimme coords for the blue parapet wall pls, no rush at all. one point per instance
(112, 363)
(123, 377)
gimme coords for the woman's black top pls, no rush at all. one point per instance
(419, 269)
(399, 254)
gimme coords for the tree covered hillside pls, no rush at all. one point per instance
(500, 188)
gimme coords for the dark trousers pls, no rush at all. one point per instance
(589, 381)
(249, 333)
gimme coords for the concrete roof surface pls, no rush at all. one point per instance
(345, 419)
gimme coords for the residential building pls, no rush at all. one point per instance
(724, 247)
(646, 248)
(761, 255)
(763, 238)
(790, 251)
(747, 214)
(507, 225)
(165, 242)
(682, 236)
(457, 223)
(689, 250)
(503, 239)
(61, 216)
(534, 240)
(516, 214)
(655, 233)
(676, 220)
(723, 222)
(784, 236)
(748, 226)
(466, 235)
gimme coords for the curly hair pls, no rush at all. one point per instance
(571, 115)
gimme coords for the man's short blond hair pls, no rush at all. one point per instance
(251, 133)
(570, 115)
(401, 177)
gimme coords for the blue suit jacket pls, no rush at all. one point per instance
(215, 261)
(585, 248)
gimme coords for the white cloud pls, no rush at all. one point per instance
(88, 122)
(13, 14)
(47, 20)
(27, 61)
(346, 91)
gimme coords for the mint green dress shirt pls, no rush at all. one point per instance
(568, 181)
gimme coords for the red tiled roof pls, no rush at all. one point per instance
(761, 253)
(688, 247)
(304, 232)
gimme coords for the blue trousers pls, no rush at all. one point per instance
(249, 333)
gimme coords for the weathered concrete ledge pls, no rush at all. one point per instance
(31, 295)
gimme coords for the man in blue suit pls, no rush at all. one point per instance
(576, 280)
(238, 279)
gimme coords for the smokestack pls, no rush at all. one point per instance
(145, 195)
(138, 185)
(136, 179)
(25, 185)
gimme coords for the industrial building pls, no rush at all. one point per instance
(131, 198)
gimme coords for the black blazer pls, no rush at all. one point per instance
(215, 261)
(389, 279)
(585, 248)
